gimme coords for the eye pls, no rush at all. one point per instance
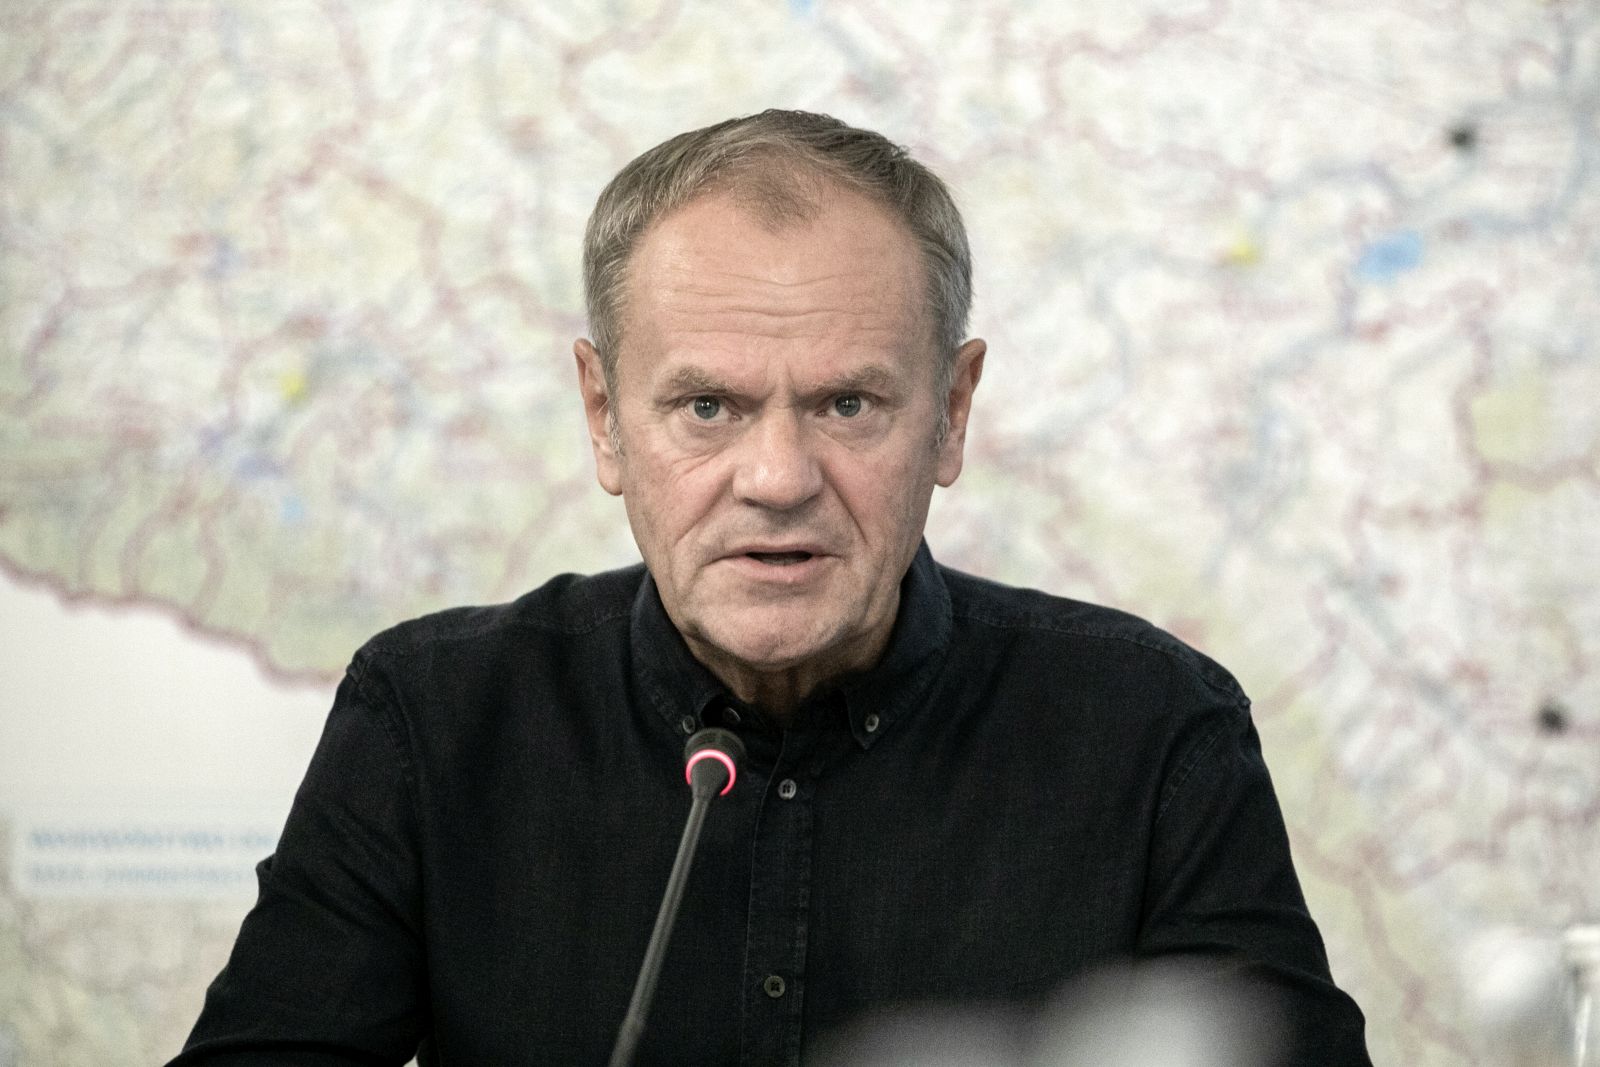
(847, 405)
(706, 407)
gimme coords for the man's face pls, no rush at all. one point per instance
(776, 409)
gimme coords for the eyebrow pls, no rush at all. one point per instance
(871, 378)
(693, 380)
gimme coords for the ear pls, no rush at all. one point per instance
(969, 368)
(597, 410)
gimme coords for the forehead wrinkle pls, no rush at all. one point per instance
(737, 317)
(693, 274)
(794, 303)
(696, 278)
(836, 295)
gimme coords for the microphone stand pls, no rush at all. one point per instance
(713, 757)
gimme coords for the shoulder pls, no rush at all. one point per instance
(567, 606)
(1089, 637)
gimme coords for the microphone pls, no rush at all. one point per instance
(711, 761)
(711, 765)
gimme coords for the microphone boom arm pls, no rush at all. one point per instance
(712, 754)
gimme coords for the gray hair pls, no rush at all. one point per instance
(777, 164)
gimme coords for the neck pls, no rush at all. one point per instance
(778, 692)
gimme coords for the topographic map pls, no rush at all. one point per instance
(1292, 308)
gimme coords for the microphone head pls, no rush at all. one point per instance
(713, 757)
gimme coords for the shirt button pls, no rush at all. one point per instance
(773, 986)
(786, 789)
(687, 724)
(871, 723)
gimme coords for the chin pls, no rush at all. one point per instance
(768, 645)
(777, 655)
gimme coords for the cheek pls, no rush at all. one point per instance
(888, 497)
(668, 498)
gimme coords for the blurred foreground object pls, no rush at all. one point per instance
(1149, 1016)
(1534, 995)
(1161, 1016)
(1581, 950)
(1513, 984)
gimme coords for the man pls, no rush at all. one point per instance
(955, 791)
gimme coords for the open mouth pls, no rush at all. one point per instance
(779, 559)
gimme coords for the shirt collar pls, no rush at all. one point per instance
(679, 687)
(687, 695)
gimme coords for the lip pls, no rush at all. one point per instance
(775, 548)
(743, 563)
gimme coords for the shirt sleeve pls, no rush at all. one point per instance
(1223, 889)
(328, 968)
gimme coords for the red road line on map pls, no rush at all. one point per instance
(574, 60)
(1584, 467)
(39, 341)
(1511, 77)
(157, 520)
(354, 60)
(1355, 879)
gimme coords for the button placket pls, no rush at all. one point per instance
(778, 918)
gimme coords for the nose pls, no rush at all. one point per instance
(777, 468)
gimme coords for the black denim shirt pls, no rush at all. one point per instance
(1025, 787)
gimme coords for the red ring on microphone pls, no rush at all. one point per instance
(711, 753)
